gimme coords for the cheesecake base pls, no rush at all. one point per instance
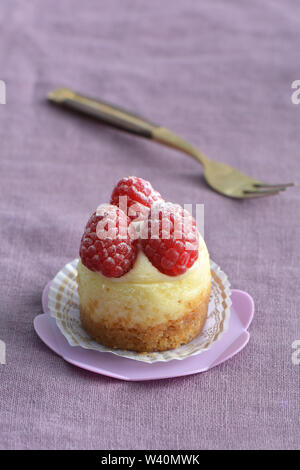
(161, 337)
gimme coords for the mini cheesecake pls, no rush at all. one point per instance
(129, 300)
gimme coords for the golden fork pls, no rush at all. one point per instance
(222, 178)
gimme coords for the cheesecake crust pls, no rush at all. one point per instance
(161, 337)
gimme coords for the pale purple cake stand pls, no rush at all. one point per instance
(231, 342)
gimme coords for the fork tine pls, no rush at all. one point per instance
(255, 194)
(273, 186)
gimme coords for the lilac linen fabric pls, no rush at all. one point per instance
(218, 73)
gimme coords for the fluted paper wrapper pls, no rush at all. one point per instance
(63, 303)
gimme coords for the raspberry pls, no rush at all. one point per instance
(140, 196)
(170, 238)
(106, 245)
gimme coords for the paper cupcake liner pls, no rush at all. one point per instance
(63, 303)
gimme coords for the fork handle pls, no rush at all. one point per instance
(123, 120)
